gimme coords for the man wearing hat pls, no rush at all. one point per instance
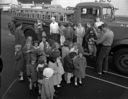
(54, 30)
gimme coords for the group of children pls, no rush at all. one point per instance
(46, 61)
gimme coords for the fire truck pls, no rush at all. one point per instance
(84, 12)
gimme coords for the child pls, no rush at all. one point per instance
(56, 77)
(92, 47)
(41, 65)
(69, 66)
(79, 67)
(31, 73)
(19, 60)
(98, 22)
(92, 36)
(60, 68)
(48, 90)
(35, 49)
(27, 49)
(74, 48)
(65, 49)
(44, 45)
(62, 37)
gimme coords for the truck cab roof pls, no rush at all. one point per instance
(95, 4)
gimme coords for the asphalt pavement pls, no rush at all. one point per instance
(94, 86)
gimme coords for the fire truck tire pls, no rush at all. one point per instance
(30, 32)
(121, 60)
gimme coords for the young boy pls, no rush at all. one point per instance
(31, 73)
(19, 60)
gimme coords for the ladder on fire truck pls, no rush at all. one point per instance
(61, 15)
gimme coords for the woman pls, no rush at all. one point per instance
(80, 32)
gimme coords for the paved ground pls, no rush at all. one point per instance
(94, 87)
(108, 86)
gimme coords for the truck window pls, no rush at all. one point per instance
(107, 13)
(89, 12)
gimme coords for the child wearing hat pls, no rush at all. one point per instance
(19, 60)
(47, 91)
(44, 45)
(80, 64)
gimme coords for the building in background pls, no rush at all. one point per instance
(122, 5)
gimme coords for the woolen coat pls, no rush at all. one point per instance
(79, 66)
(48, 90)
(68, 64)
(57, 77)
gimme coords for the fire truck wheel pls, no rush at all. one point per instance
(30, 32)
(121, 60)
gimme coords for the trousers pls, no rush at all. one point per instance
(102, 59)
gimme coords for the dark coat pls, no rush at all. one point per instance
(68, 64)
(79, 64)
(68, 33)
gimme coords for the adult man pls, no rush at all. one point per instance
(38, 29)
(19, 35)
(68, 32)
(106, 41)
(54, 30)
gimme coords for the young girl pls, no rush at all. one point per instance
(56, 77)
(42, 64)
(60, 68)
(79, 67)
(19, 60)
(48, 90)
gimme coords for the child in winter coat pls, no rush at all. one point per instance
(65, 49)
(57, 75)
(80, 64)
(19, 60)
(69, 66)
(48, 90)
